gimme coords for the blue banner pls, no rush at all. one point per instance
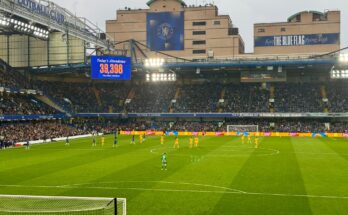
(172, 133)
(319, 134)
(215, 115)
(165, 31)
(31, 117)
(297, 40)
(111, 67)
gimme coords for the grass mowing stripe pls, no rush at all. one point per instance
(148, 170)
(185, 174)
(272, 174)
(198, 181)
(99, 167)
(325, 173)
(38, 169)
(339, 146)
(62, 165)
(196, 172)
(131, 149)
(20, 174)
(17, 157)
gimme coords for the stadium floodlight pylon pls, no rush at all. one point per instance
(30, 205)
(242, 128)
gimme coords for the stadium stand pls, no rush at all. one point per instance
(265, 125)
(297, 98)
(137, 97)
(22, 132)
(149, 98)
(76, 97)
(246, 98)
(112, 96)
(10, 78)
(339, 127)
(18, 104)
(337, 97)
(197, 98)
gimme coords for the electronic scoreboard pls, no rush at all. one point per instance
(111, 67)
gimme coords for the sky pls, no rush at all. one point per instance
(244, 13)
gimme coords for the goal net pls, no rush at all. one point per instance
(242, 128)
(29, 205)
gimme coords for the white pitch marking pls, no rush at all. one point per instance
(273, 152)
(316, 153)
(228, 190)
(162, 182)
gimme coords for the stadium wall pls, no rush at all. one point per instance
(204, 29)
(26, 51)
(304, 32)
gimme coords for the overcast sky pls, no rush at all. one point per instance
(244, 13)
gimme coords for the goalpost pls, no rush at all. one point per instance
(57, 205)
(242, 128)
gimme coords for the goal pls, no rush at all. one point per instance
(242, 128)
(57, 205)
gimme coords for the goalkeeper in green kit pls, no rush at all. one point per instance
(164, 161)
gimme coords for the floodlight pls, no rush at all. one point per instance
(343, 58)
(154, 62)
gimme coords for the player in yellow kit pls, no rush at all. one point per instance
(249, 139)
(176, 143)
(243, 139)
(257, 143)
(196, 141)
(191, 143)
(102, 141)
(162, 139)
(140, 139)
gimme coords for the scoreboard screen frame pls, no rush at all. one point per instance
(109, 67)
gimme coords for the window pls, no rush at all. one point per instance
(217, 22)
(283, 29)
(199, 51)
(298, 18)
(261, 30)
(198, 32)
(203, 23)
(319, 17)
(233, 31)
(198, 42)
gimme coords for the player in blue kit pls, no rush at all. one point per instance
(94, 139)
(67, 142)
(133, 139)
(115, 138)
(27, 145)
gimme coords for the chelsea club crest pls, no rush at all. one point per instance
(165, 31)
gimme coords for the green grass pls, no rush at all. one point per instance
(223, 176)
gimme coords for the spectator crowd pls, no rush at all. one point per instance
(138, 97)
(18, 104)
(12, 133)
(197, 98)
(12, 79)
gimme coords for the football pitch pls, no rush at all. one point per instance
(288, 175)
